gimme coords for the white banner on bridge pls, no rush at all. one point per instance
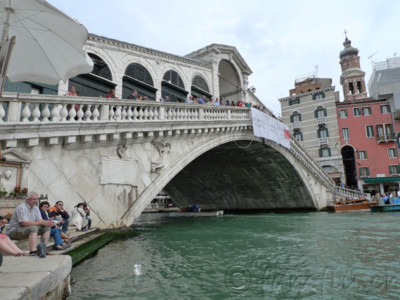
(265, 126)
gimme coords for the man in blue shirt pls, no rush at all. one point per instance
(202, 100)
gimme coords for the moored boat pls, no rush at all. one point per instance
(352, 204)
(385, 208)
(393, 206)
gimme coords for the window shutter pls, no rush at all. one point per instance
(314, 96)
(367, 171)
(327, 132)
(319, 133)
(329, 151)
(316, 113)
(300, 117)
(291, 118)
(323, 94)
(320, 152)
(325, 114)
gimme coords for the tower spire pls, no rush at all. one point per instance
(352, 78)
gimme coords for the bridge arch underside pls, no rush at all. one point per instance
(237, 178)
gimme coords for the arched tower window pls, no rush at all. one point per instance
(359, 86)
(138, 78)
(351, 88)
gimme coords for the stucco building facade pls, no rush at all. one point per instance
(367, 132)
(310, 113)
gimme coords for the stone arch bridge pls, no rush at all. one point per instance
(118, 154)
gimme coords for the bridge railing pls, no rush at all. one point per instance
(343, 194)
(309, 162)
(50, 108)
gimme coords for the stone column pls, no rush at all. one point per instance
(62, 88)
(118, 88)
(245, 88)
(214, 76)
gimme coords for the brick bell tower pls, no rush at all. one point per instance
(352, 78)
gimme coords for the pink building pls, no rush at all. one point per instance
(367, 131)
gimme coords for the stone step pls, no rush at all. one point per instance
(77, 235)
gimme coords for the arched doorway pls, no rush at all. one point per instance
(349, 162)
(94, 84)
(200, 88)
(138, 78)
(173, 87)
(230, 87)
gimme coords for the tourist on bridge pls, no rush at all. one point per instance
(201, 100)
(72, 92)
(216, 102)
(112, 94)
(189, 100)
(27, 222)
(133, 95)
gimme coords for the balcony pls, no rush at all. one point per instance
(321, 121)
(323, 141)
(385, 139)
(296, 125)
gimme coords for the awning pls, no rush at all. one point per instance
(381, 179)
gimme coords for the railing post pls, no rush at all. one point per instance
(201, 114)
(13, 112)
(161, 115)
(229, 114)
(104, 112)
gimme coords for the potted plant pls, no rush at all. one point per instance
(19, 192)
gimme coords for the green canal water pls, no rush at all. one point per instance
(265, 256)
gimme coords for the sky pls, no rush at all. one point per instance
(279, 40)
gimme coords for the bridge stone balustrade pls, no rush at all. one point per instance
(117, 154)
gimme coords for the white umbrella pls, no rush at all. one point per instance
(49, 44)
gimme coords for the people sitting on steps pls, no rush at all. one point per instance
(78, 218)
(27, 223)
(7, 246)
(55, 231)
(87, 211)
(58, 213)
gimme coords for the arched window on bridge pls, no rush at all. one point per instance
(200, 88)
(230, 86)
(138, 78)
(173, 87)
(94, 84)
